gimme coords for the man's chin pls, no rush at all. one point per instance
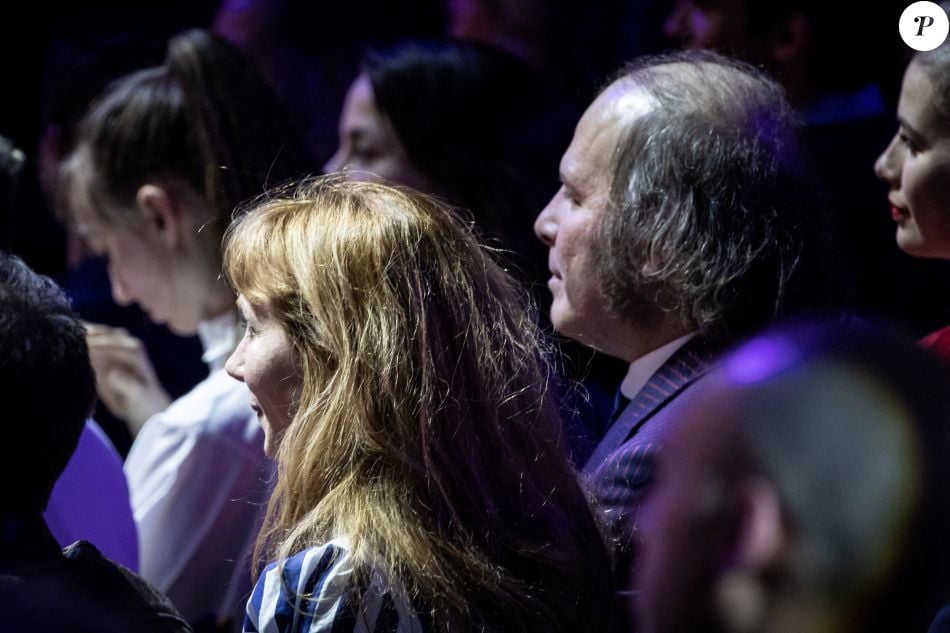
(594, 340)
(567, 328)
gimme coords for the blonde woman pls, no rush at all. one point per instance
(395, 370)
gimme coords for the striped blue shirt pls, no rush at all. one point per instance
(314, 592)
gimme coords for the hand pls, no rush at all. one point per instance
(125, 378)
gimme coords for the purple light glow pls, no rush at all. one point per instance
(759, 360)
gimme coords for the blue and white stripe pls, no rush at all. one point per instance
(315, 592)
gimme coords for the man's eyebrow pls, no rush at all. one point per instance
(568, 178)
(569, 188)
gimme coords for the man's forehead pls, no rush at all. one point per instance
(603, 125)
(625, 98)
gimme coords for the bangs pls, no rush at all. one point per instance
(255, 259)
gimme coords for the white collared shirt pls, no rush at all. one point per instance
(197, 480)
(644, 367)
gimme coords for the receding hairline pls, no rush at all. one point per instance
(695, 80)
(680, 63)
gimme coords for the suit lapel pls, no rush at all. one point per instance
(682, 369)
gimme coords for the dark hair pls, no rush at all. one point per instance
(205, 118)
(472, 118)
(852, 424)
(46, 383)
(709, 200)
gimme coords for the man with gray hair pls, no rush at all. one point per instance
(685, 220)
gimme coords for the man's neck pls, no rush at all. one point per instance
(642, 340)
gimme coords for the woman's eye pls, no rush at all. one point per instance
(244, 324)
(908, 143)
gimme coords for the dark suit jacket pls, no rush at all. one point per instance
(621, 468)
(45, 589)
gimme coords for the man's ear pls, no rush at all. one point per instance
(757, 546)
(760, 537)
(789, 40)
(161, 211)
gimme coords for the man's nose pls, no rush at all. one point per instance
(545, 225)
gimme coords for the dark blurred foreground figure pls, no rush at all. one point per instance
(90, 500)
(804, 490)
(48, 390)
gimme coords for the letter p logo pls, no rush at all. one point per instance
(924, 21)
(924, 26)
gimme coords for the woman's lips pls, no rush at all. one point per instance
(898, 214)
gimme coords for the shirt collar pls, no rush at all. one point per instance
(644, 367)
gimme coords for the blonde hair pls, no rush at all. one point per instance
(425, 432)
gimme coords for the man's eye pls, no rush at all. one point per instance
(364, 153)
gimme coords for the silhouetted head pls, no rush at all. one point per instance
(805, 491)
(46, 384)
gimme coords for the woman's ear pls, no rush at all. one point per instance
(161, 212)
